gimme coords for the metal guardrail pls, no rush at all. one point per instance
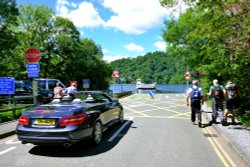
(122, 94)
(15, 99)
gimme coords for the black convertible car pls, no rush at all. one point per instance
(67, 121)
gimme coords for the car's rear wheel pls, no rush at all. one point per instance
(97, 133)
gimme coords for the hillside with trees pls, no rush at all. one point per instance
(153, 67)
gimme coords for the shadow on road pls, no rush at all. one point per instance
(84, 148)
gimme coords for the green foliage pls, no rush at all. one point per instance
(153, 67)
(213, 37)
(245, 119)
(8, 39)
(63, 54)
(9, 115)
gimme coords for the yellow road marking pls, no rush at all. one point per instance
(141, 111)
(136, 111)
(218, 153)
(165, 108)
(163, 117)
(222, 154)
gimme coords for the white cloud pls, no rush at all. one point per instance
(105, 51)
(179, 7)
(113, 58)
(130, 16)
(135, 16)
(160, 45)
(133, 47)
(82, 15)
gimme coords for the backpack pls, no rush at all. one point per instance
(231, 91)
(195, 95)
(218, 93)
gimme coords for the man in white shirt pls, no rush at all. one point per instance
(72, 90)
(195, 99)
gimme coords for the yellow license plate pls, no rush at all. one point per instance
(45, 122)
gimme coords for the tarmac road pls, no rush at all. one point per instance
(157, 132)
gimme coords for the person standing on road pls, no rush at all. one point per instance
(194, 99)
(217, 92)
(58, 91)
(232, 92)
(72, 90)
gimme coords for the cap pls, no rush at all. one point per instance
(195, 82)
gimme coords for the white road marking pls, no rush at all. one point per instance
(135, 105)
(119, 130)
(2, 141)
(12, 142)
(5, 151)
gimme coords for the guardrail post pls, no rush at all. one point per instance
(14, 113)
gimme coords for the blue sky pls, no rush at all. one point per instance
(123, 28)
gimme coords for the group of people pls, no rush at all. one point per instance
(219, 94)
(59, 92)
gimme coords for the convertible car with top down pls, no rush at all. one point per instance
(67, 121)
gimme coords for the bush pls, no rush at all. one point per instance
(8, 116)
(245, 119)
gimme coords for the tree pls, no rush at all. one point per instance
(63, 54)
(214, 37)
(8, 40)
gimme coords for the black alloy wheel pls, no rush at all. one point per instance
(97, 133)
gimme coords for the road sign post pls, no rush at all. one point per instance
(187, 77)
(32, 56)
(121, 80)
(115, 75)
(35, 91)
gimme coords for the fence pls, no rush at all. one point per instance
(15, 99)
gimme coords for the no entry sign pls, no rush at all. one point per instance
(32, 55)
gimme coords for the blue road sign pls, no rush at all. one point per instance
(7, 85)
(33, 74)
(86, 81)
(33, 68)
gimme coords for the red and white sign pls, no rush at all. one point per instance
(187, 75)
(187, 78)
(115, 74)
(32, 55)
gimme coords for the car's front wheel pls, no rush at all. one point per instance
(97, 133)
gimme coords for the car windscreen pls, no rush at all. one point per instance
(41, 84)
(52, 84)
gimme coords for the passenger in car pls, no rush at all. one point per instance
(58, 91)
(72, 90)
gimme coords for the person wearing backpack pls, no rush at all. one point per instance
(232, 92)
(194, 99)
(217, 92)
